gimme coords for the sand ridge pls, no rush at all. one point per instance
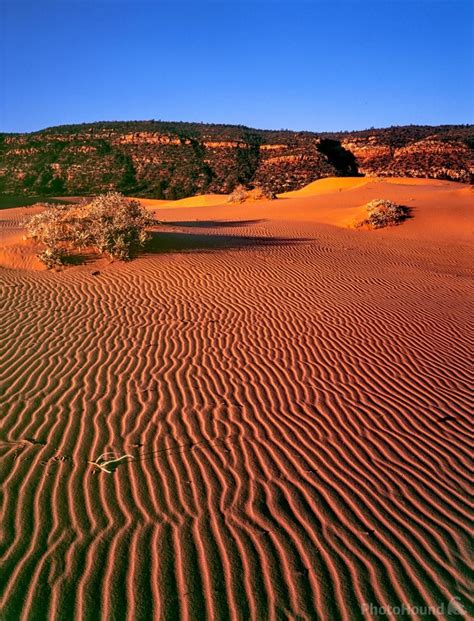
(295, 398)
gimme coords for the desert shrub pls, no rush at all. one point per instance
(110, 223)
(51, 227)
(52, 257)
(239, 195)
(381, 213)
(242, 194)
(261, 193)
(117, 226)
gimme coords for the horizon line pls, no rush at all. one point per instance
(281, 129)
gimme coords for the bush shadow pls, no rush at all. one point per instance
(212, 224)
(71, 260)
(162, 242)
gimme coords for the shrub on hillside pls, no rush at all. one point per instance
(381, 213)
(242, 194)
(110, 223)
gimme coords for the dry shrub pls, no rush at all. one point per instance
(381, 213)
(242, 194)
(51, 227)
(117, 226)
(52, 257)
(111, 224)
(260, 193)
(239, 195)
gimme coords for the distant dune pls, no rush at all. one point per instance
(294, 395)
(192, 201)
(328, 186)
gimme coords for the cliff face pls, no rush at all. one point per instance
(430, 157)
(173, 160)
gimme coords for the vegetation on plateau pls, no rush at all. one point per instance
(174, 160)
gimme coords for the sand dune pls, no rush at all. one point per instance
(295, 398)
(203, 200)
(328, 185)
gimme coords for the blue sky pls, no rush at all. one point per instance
(296, 64)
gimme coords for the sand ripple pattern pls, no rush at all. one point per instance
(296, 402)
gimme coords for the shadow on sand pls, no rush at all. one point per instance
(213, 224)
(175, 241)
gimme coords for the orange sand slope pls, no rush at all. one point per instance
(340, 201)
(293, 396)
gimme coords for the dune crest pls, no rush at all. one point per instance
(328, 185)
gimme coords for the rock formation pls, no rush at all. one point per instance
(174, 160)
